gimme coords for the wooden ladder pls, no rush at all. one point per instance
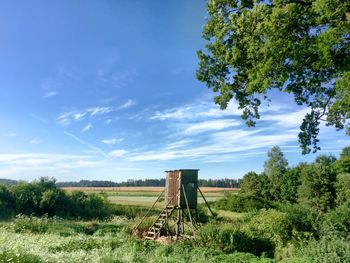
(154, 231)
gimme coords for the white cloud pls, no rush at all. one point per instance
(88, 145)
(127, 104)
(87, 127)
(66, 118)
(34, 141)
(49, 94)
(211, 125)
(286, 119)
(117, 153)
(98, 111)
(11, 134)
(79, 115)
(178, 144)
(196, 111)
(112, 141)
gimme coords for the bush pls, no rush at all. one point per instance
(302, 218)
(242, 203)
(229, 239)
(336, 223)
(272, 225)
(325, 251)
(7, 201)
(30, 224)
(87, 206)
(342, 188)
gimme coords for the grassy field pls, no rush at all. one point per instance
(146, 196)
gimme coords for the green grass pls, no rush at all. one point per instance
(109, 241)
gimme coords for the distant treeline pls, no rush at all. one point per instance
(8, 182)
(227, 183)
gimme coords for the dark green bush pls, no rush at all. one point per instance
(7, 202)
(336, 223)
(30, 224)
(325, 251)
(302, 218)
(87, 206)
(228, 239)
(270, 224)
(242, 203)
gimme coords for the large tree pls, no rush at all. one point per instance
(300, 47)
(317, 184)
(275, 168)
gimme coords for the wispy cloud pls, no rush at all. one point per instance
(286, 119)
(211, 125)
(39, 118)
(219, 143)
(178, 144)
(117, 153)
(88, 145)
(49, 94)
(112, 141)
(11, 134)
(66, 118)
(126, 105)
(87, 127)
(34, 141)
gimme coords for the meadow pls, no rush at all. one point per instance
(295, 214)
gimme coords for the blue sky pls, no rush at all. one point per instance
(106, 90)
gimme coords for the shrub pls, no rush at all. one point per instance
(229, 239)
(7, 201)
(325, 251)
(336, 223)
(242, 203)
(30, 224)
(272, 225)
(342, 188)
(302, 218)
(87, 206)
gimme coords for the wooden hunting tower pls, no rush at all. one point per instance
(181, 190)
(181, 185)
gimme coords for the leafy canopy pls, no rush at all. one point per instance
(299, 47)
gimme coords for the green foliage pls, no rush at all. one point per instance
(13, 257)
(274, 168)
(342, 188)
(305, 221)
(252, 184)
(7, 202)
(325, 251)
(43, 197)
(30, 224)
(317, 184)
(242, 203)
(298, 47)
(272, 225)
(343, 164)
(290, 184)
(336, 223)
(229, 239)
(87, 206)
